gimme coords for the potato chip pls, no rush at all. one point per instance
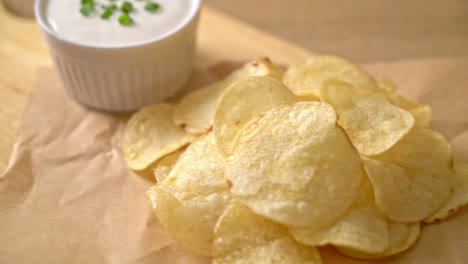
(150, 135)
(372, 124)
(413, 178)
(147, 173)
(243, 101)
(265, 67)
(459, 195)
(422, 113)
(361, 228)
(195, 112)
(164, 165)
(246, 238)
(190, 200)
(295, 166)
(402, 236)
(307, 78)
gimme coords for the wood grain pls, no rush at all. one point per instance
(23, 50)
(363, 31)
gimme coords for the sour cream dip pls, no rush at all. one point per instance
(64, 17)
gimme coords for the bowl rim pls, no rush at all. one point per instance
(41, 20)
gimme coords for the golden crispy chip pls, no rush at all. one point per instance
(150, 135)
(402, 236)
(265, 67)
(361, 228)
(306, 78)
(422, 113)
(164, 165)
(295, 166)
(413, 178)
(459, 195)
(147, 173)
(243, 101)
(372, 124)
(195, 112)
(190, 200)
(243, 237)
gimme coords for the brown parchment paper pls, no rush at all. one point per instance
(67, 196)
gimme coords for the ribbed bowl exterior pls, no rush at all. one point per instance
(125, 87)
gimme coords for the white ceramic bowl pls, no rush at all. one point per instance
(123, 78)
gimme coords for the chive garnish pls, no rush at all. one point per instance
(126, 7)
(109, 11)
(87, 9)
(152, 7)
(125, 19)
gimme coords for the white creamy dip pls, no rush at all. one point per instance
(64, 17)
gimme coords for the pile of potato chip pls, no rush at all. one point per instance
(265, 166)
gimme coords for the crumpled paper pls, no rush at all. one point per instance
(68, 197)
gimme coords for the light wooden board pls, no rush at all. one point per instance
(23, 50)
(362, 31)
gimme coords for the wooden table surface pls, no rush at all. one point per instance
(361, 30)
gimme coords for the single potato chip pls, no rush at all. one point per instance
(243, 101)
(195, 112)
(164, 165)
(307, 78)
(150, 135)
(265, 67)
(190, 200)
(413, 178)
(459, 196)
(372, 124)
(422, 113)
(402, 236)
(361, 228)
(242, 237)
(295, 166)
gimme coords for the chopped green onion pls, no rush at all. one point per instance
(87, 9)
(109, 11)
(112, 7)
(152, 7)
(125, 19)
(126, 7)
